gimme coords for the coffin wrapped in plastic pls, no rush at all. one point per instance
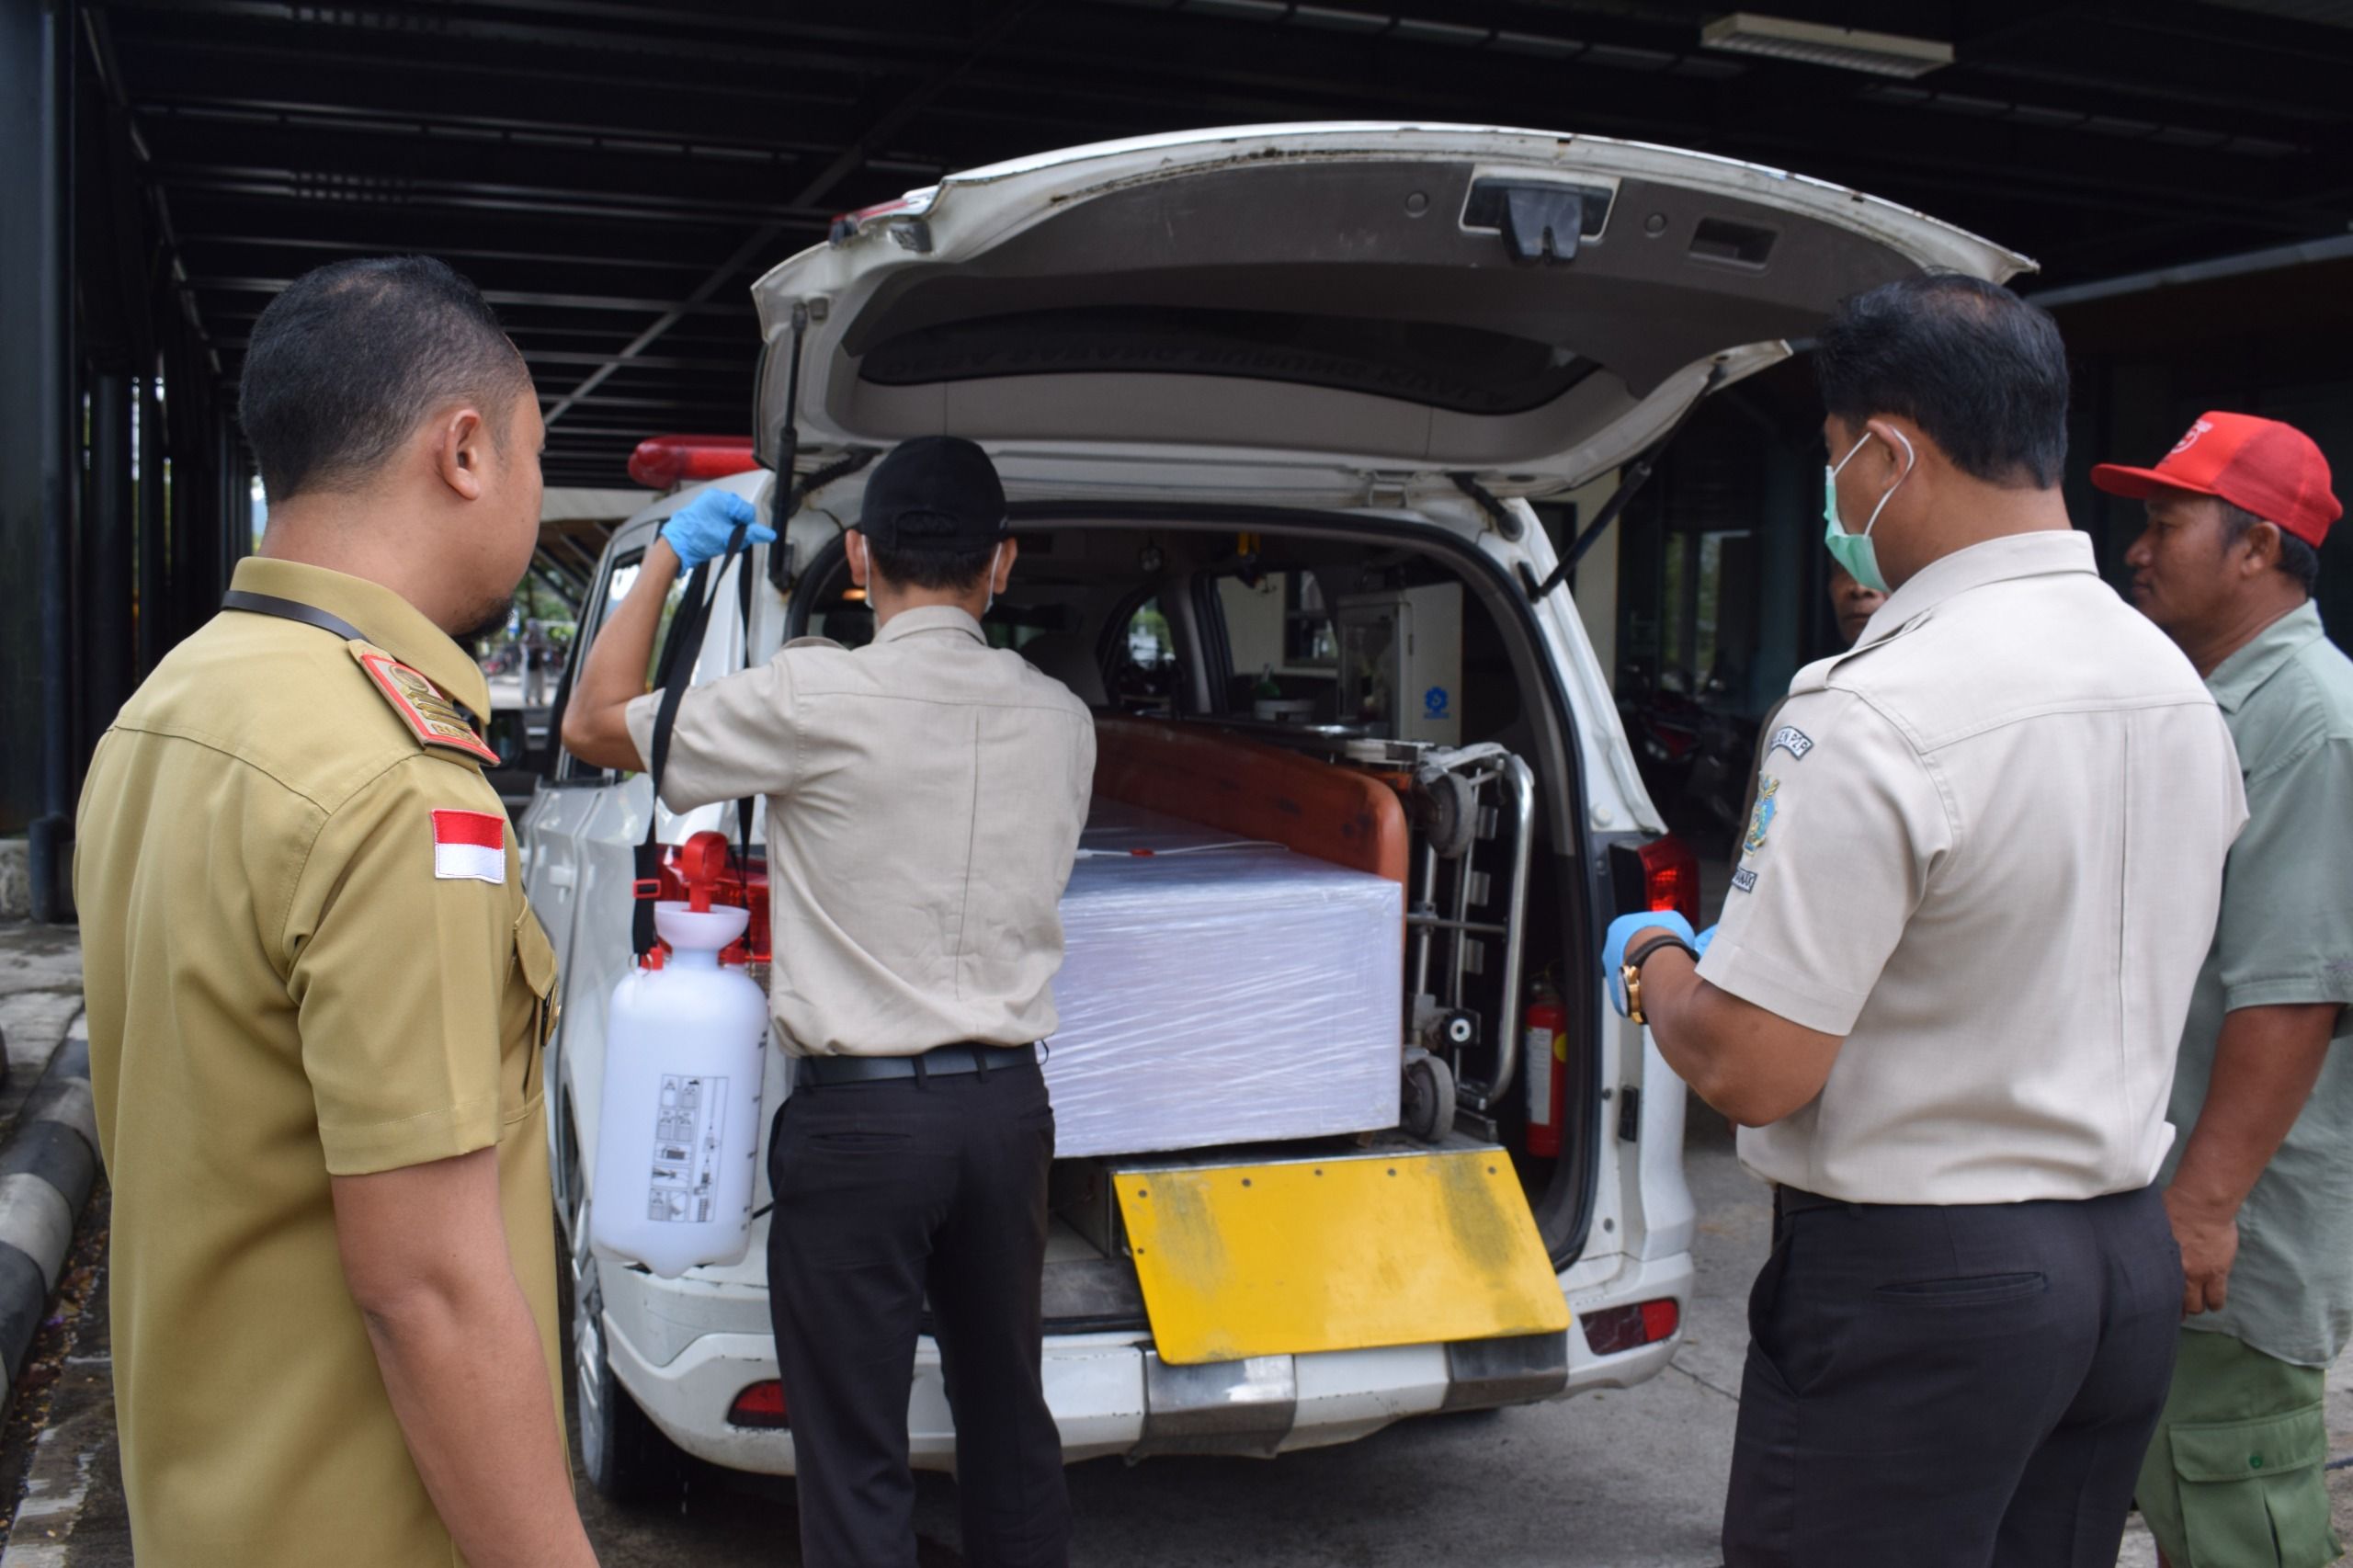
(1221, 991)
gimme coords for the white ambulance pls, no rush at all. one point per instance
(1271, 405)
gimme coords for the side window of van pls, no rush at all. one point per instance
(1282, 647)
(624, 578)
(618, 583)
(1145, 674)
(1310, 640)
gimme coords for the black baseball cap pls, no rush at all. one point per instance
(934, 492)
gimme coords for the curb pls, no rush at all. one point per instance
(47, 1170)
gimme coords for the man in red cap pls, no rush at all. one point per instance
(2259, 1185)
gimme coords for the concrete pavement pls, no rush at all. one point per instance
(40, 997)
(1618, 1480)
(1615, 1480)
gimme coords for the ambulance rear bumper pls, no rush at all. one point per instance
(1112, 1394)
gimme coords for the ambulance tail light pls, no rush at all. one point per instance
(1671, 877)
(662, 461)
(762, 1405)
(740, 888)
(1620, 1329)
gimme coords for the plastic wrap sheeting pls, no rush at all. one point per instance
(1230, 996)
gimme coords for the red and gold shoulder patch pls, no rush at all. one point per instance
(432, 718)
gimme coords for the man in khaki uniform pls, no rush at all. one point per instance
(316, 995)
(925, 797)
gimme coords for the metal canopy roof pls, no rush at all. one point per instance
(615, 174)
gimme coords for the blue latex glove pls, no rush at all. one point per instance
(1622, 931)
(698, 530)
(1702, 940)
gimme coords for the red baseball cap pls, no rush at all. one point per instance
(2258, 465)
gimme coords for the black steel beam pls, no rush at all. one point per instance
(374, 231)
(605, 274)
(270, 286)
(383, 159)
(620, 48)
(2230, 63)
(282, 71)
(152, 640)
(109, 557)
(37, 438)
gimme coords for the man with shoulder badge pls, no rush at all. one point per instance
(317, 996)
(924, 796)
(1943, 1002)
(2260, 1185)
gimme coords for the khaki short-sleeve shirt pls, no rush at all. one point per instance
(1986, 849)
(2286, 938)
(306, 954)
(925, 797)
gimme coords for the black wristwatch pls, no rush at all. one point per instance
(1631, 973)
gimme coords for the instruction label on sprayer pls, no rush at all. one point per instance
(686, 1126)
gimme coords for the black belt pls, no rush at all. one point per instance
(944, 1061)
(1788, 1200)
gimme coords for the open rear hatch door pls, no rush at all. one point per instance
(1318, 313)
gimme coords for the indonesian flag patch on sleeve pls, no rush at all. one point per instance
(469, 844)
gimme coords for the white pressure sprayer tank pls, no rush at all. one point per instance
(678, 1132)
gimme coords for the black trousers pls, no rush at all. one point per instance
(1951, 1387)
(885, 1192)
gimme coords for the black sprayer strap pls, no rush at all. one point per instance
(676, 672)
(744, 802)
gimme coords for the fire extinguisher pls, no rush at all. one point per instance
(1545, 1048)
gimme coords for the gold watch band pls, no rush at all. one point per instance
(1629, 972)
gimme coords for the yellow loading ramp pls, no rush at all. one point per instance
(1410, 1248)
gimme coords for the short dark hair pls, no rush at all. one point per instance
(2298, 559)
(346, 361)
(1982, 372)
(955, 571)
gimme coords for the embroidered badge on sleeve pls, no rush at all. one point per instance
(430, 716)
(1760, 821)
(1791, 739)
(470, 844)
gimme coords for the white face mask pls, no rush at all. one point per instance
(994, 556)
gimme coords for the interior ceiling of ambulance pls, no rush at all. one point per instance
(615, 175)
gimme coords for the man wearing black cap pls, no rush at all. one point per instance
(925, 797)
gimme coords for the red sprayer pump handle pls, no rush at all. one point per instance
(702, 861)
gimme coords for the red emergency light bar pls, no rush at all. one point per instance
(662, 461)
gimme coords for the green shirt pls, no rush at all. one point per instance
(2286, 936)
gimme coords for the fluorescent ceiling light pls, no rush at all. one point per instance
(1848, 49)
